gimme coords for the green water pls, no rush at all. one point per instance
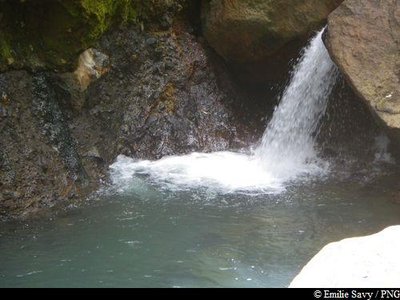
(146, 237)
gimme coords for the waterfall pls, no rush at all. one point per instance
(285, 152)
(288, 141)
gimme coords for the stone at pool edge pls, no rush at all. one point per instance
(360, 262)
(363, 40)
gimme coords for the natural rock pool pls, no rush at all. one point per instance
(221, 219)
(149, 237)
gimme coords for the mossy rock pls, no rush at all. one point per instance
(50, 34)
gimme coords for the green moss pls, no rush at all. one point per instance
(51, 34)
(127, 11)
(105, 13)
(6, 51)
(100, 14)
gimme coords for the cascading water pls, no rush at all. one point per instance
(288, 141)
(285, 152)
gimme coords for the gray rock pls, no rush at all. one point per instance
(363, 38)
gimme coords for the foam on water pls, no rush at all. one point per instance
(286, 151)
(223, 171)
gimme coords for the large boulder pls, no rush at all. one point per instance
(252, 31)
(361, 262)
(363, 38)
(50, 34)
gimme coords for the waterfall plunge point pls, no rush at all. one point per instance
(286, 151)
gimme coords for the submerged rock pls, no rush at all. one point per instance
(247, 32)
(361, 262)
(363, 38)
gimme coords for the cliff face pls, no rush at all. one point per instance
(363, 38)
(146, 90)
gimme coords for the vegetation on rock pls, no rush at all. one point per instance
(48, 34)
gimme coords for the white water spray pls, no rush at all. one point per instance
(286, 150)
(287, 145)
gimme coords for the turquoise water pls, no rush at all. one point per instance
(149, 237)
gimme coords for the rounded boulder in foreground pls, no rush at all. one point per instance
(370, 261)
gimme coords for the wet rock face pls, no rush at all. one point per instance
(248, 33)
(38, 162)
(163, 94)
(363, 38)
(46, 107)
